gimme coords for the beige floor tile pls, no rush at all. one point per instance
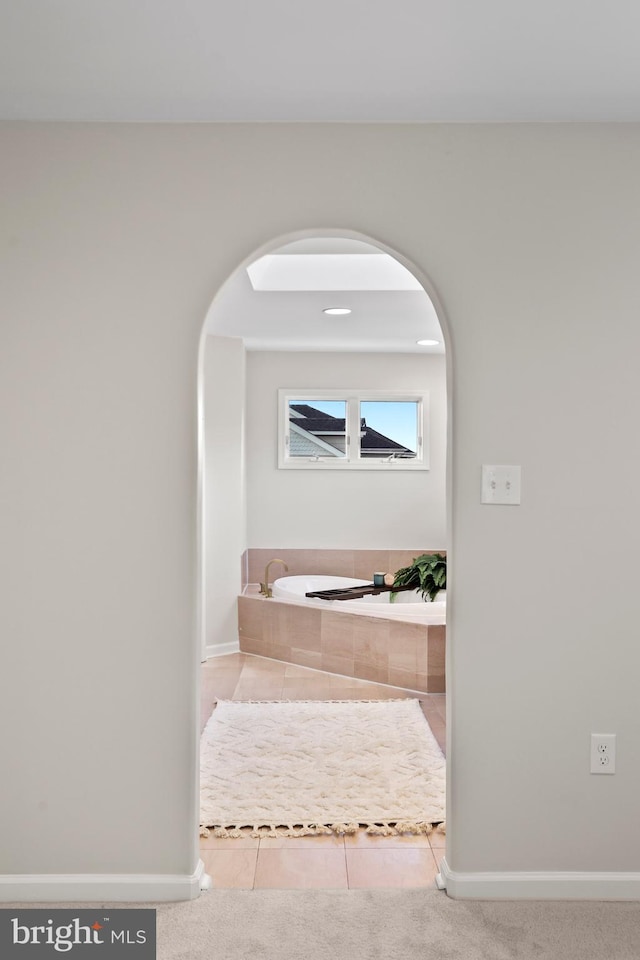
(290, 862)
(231, 868)
(337, 680)
(223, 688)
(430, 712)
(439, 732)
(345, 683)
(263, 666)
(434, 719)
(440, 705)
(230, 661)
(296, 689)
(402, 692)
(256, 677)
(366, 841)
(322, 841)
(411, 867)
(365, 691)
(350, 693)
(221, 691)
(437, 726)
(245, 842)
(224, 660)
(206, 709)
(313, 679)
(209, 678)
(434, 703)
(380, 691)
(293, 670)
(296, 868)
(260, 679)
(256, 695)
(438, 841)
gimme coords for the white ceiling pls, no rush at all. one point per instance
(338, 60)
(386, 321)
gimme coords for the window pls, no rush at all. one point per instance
(341, 429)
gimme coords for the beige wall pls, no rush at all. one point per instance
(224, 516)
(115, 240)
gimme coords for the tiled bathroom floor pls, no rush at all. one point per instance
(330, 862)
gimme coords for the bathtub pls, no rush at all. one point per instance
(401, 644)
(408, 605)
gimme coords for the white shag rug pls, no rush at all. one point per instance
(292, 768)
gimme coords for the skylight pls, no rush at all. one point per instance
(330, 271)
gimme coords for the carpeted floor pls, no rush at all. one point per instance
(389, 925)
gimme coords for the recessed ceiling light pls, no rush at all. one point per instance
(337, 311)
(427, 343)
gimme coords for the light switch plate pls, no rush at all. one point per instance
(500, 484)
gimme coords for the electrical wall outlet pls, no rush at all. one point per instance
(603, 753)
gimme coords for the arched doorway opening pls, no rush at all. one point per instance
(249, 502)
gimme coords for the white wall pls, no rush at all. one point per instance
(224, 487)
(115, 239)
(334, 509)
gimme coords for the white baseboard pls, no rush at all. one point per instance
(543, 885)
(221, 649)
(94, 887)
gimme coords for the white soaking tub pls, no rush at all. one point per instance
(408, 605)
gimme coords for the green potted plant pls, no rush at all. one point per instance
(427, 573)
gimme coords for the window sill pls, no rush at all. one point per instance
(390, 466)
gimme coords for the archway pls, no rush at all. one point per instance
(233, 456)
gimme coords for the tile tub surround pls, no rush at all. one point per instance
(361, 564)
(409, 655)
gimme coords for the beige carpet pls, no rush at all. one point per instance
(292, 768)
(388, 925)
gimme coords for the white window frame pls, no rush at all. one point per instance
(352, 459)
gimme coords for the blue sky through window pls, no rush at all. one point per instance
(396, 419)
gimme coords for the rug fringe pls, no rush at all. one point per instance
(379, 700)
(381, 828)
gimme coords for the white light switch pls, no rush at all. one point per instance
(500, 484)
